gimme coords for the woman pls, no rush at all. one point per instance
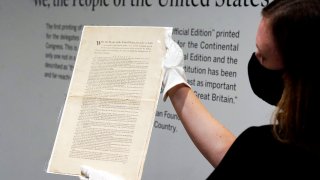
(286, 56)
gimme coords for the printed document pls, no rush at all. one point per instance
(109, 110)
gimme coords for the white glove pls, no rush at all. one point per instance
(173, 67)
(89, 173)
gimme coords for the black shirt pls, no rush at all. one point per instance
(256, 154)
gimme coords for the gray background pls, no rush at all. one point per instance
(30, 103)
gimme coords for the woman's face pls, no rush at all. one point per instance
(267, 53)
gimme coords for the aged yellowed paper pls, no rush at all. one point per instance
(110, 106)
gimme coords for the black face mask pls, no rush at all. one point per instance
(265, 83)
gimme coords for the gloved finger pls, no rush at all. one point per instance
(171, 45)
(94, 174)
(168, 41)
(86, 170)
(174, 55)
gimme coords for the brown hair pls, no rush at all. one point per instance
(295, 27)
